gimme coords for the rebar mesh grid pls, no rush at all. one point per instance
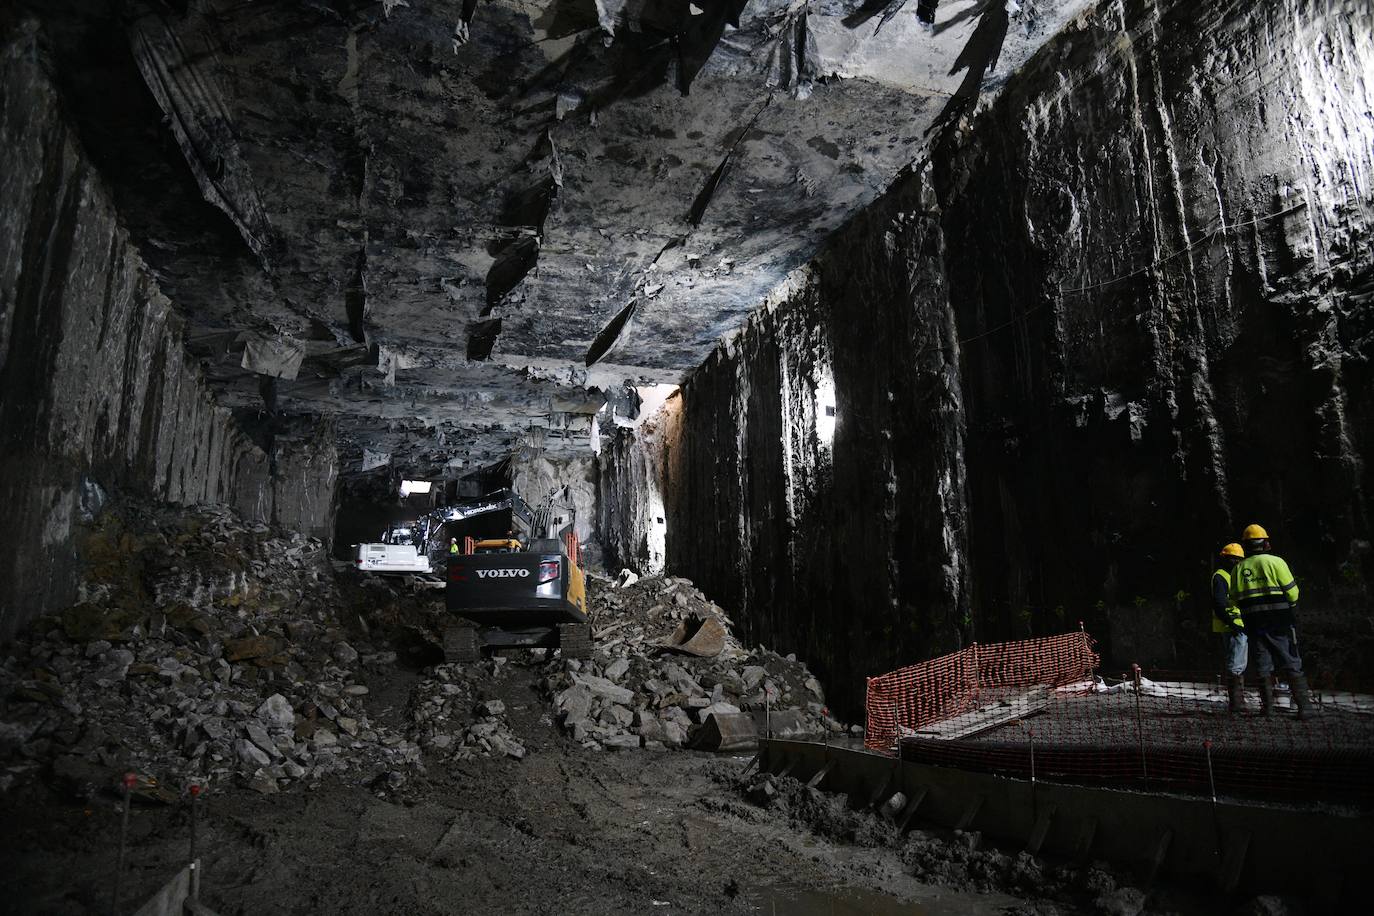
(1039, 709)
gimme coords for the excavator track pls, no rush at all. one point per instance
(461, 645)
(575, 640)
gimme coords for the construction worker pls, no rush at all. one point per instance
(1263, 588)
(453, 547)
(1227, 622)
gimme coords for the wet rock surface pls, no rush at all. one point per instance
(438, 211)
(97, 392)
(565, 830)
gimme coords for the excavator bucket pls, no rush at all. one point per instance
(730, 731)
(704, 638)
(741, 731)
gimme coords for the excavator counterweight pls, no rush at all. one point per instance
(509, 593)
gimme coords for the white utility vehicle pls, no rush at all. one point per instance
(392, 558)
(422, 546)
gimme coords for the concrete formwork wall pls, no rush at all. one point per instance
(94, 381)
(1123, 314)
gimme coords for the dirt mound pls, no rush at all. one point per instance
(820, 812)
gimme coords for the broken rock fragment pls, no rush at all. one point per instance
(249, 647)
(575, 703)
(251, 754)
(604, 689)
(276, 712)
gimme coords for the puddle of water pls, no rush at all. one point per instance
(839, 901)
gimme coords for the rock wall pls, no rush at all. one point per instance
(1124, 312)
(816, 488)
(96, 393)
(632, 518)
(534, 476)
(1158, 249)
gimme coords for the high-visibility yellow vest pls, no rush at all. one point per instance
(1232, 612)
(1263, 588)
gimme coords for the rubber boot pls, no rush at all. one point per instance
(1302, 696)
(1266, 696)
(1235, 692)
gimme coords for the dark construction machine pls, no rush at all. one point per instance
(521, 588)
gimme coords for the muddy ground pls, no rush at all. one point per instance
(566, 829)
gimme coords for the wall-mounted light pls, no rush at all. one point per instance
(415, 486)
(825, 411)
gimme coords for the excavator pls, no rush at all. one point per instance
(523, 589)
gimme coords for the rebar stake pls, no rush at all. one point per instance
(1216, 813)
(1139, 728)
(129, 781)
(195, 878)
(1035, 808)
(1087, 642)
(1211, 779)
(767, 712)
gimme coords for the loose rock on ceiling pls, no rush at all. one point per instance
(440, 213)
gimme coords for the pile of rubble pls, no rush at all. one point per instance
(202, 648)
(644, 687)
(451, 717)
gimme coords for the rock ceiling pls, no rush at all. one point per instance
(429, 216)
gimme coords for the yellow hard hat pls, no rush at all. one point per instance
(1233, 550)
(1254, 533)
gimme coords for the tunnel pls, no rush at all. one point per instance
(871, 396)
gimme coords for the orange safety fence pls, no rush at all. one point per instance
(919, 695)
(1040, 708)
